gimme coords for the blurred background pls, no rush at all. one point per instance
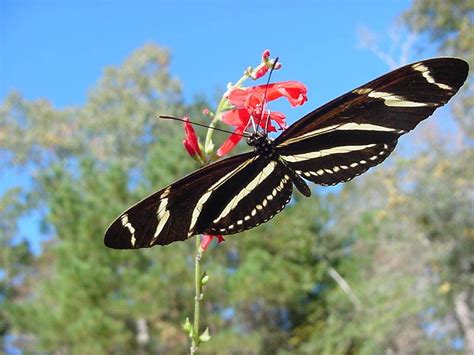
(381, 265)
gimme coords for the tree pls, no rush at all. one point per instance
(449, 24)
(15, 259)
(410, 261)
(79, 290)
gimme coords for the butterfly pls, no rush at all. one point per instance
(332, 144)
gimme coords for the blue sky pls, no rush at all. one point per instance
(58, 49)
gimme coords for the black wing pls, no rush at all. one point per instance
(358, 130)
(226, 197)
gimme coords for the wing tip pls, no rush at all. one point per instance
(452, 70)
(115, 238)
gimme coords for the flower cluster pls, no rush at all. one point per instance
(249, 104)
(242, 108)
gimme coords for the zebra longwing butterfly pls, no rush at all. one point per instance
(332, 144)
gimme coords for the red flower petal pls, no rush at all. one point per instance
(237, 96)
(236, 117)
(294, 91)
(254, 103)
(189, 148)
(207, 239)
(190, 142)
(230, 142)
(279, 119)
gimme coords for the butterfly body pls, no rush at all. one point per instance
(262, 144)
(330, 145)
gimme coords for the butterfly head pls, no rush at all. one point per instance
(262, 144)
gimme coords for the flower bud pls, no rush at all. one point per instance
(265, 55)
(187, 326)
(261, 71)
(191, 141)
(204, 280)
(205, 336)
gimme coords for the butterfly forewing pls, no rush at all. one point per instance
(358, 130)
(171, 214)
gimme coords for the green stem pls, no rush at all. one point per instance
(217, 114)
(197, 296)
(195, 336)
(210, 131)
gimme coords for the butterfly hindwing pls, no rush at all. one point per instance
(358, 130)
(339, 164)
(256, 201)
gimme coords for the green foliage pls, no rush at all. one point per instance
(450, 24)
(446, 222)
(79, 300)
(88, 298)
(15, 257)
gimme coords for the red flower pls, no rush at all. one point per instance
(260, 72)
(191, 141)
(207, 239)
(230, 142)
(294, 91)
(249, 102)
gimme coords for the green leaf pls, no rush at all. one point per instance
(204, 279)
(204, 337)
(187, 326)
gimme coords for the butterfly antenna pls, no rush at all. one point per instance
(202, 125)
(265, 95)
